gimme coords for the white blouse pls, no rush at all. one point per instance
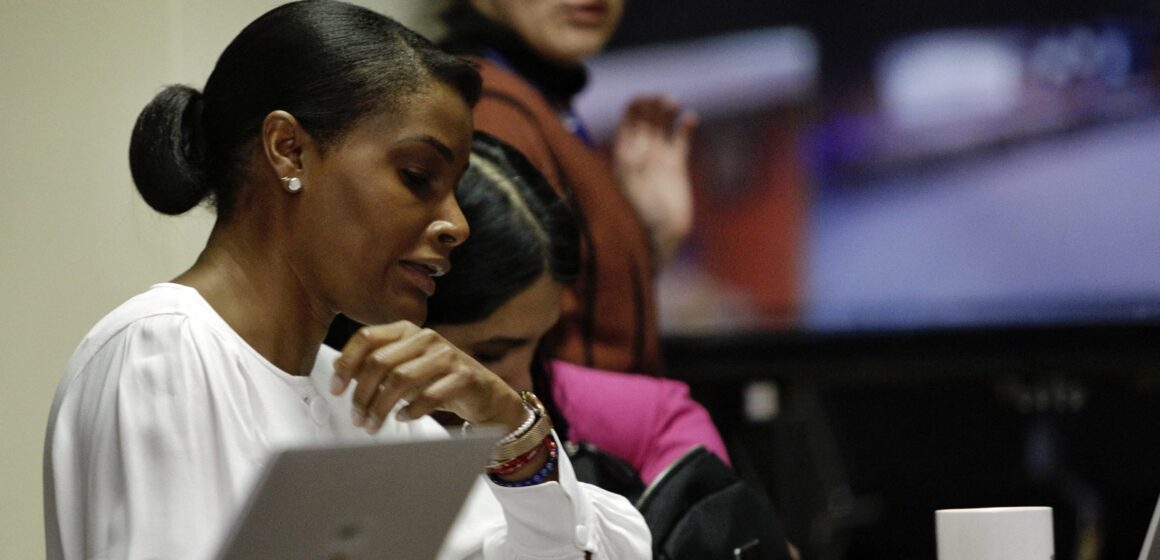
(165, 415)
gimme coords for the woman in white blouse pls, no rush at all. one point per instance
(329, 139)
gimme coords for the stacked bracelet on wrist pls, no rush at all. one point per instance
(517, 463)
(540, 476)
(524, 445)
(522, 441)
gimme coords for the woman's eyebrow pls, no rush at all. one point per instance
(443, 149)
(503, 342)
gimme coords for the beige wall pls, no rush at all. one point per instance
(75, 239)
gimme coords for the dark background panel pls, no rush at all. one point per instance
(876, 432)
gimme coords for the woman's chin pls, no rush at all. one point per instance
(415, 312)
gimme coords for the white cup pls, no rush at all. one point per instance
(998, 533)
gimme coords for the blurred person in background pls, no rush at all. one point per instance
(635, 207)
(503, 294)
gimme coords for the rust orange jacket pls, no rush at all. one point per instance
(609, 318)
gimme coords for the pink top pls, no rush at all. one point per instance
(649, 422)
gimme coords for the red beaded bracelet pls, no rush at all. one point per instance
(516, 463)
(540, 476)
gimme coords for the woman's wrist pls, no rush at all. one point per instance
(520, 442)
(542, 467)
(529, 419)
(528, 454)
(514, 414)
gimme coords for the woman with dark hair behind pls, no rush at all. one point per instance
(504, 294)
(330, 140)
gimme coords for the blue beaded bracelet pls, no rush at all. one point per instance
(539, 477)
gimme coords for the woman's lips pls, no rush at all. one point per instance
(588, 13)
(420, 275)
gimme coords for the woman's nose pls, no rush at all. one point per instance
(452, 229)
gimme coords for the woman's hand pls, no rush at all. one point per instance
(650, 154)
(402, 361)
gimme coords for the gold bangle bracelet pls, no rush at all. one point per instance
(528, 440)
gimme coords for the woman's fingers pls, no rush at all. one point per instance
(686, 123)
(433, 397)
(400, 361)
(406, 380)
(474, 394)
(364, 341)
(661, 113)
(651, 123)
(657, 112)
(380, 376)
(449, 380)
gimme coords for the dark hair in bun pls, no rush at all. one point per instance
(327, 63)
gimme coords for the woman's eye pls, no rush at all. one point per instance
(487, 358)
(416, 179)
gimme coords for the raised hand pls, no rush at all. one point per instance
(650, 154)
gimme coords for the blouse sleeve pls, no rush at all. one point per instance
(565, 519)
(139, 465)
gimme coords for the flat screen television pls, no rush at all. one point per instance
(892, 169)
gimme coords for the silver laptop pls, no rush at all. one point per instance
(1151, 548)
(392, 500)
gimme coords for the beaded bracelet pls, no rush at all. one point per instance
(522, 429)
(540, 476)
(516, 463)
(522, 443)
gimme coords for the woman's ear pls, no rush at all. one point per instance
(283, 140)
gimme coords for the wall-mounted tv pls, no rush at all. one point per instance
(909, 170)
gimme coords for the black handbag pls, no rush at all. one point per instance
(697, 509)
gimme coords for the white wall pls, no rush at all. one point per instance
(75, 238)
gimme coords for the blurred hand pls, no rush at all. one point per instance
(650, 153)
(402, 361)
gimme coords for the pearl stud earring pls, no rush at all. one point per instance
(292, 184)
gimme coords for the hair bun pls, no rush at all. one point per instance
(165, 152)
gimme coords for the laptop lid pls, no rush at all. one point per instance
(1151, 548)
(352, 502)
